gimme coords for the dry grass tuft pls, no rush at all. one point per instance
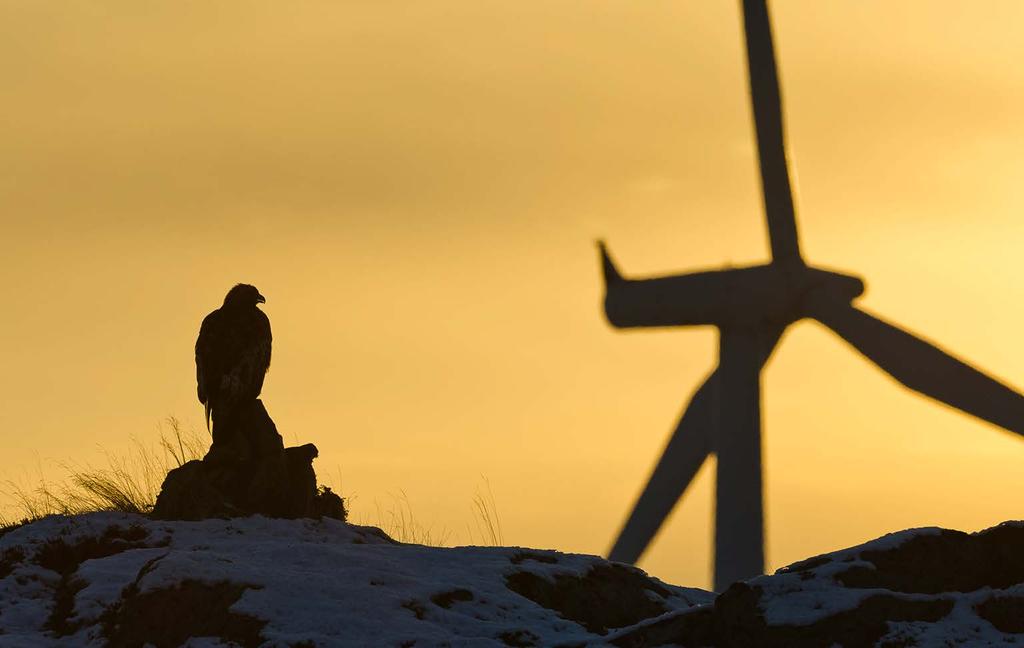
(485, 517)
(399, 523)
(128, 483)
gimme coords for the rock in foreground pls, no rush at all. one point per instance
(124, 580)
(247, 471)
(923, 587)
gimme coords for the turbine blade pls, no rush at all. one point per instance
(686, 451)
(611, 273)
(771, 146)
(739, 511)
(922, 366)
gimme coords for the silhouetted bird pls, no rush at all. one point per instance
(232, 352)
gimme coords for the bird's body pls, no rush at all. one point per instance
(232, 353)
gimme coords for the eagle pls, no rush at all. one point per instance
(232, 352)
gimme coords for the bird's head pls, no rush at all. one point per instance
(244, 295)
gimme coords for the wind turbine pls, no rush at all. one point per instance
(752, 307)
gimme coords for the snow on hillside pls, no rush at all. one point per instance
(118, 579)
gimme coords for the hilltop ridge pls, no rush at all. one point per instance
(115, 579)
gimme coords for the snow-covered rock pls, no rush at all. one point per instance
(923, 587)
(125, 580)
(109, 579)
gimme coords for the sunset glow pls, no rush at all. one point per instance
(417, 189)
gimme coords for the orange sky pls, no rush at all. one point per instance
(416, 188)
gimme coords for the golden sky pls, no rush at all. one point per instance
(416, 188)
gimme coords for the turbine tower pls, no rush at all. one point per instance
(752, 307)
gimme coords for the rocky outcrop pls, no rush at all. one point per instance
(605, 597)
(108, 579)
(924, 587)
(247, 471)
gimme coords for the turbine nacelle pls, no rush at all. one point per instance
(734, 297)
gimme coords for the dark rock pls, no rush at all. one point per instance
(416, 608)
(196, 491)
(9, 559)
(445, 599)
(247, 471)
(245, 432)
(738, 622)
(59, 622)
(166, 618)
(300, 492)
(737, 618)
(608, 596)
(1006, 613)
(950, 561)
(64, 558)
(693, 627)
(519, 638)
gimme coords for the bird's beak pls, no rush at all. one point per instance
(260, 299)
